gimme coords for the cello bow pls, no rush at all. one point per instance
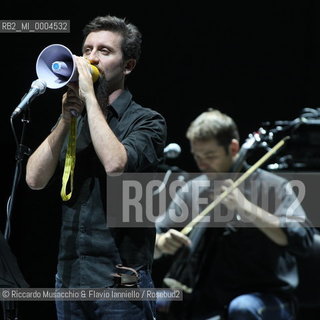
(187, 229)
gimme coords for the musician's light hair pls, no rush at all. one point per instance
(213, 124)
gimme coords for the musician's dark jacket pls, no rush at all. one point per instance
(236, 257)
(89, 250)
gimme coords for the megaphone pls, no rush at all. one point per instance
(56, 66)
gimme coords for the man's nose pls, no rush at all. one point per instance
(202, 165)
(93, 57)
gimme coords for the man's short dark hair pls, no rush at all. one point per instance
(132, 38)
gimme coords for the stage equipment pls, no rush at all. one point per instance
(302, 153)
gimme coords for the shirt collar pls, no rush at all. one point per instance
(121, 103)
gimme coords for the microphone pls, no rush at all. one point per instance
(172, 150)
(37, 87)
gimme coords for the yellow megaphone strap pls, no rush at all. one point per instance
(69, 162)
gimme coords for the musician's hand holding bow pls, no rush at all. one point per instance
(170, 241)
(235, 200)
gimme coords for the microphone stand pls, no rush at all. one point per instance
(10, 309)
(21, 152)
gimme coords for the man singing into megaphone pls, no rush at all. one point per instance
(113, 134)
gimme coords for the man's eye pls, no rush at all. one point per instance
(105, 51)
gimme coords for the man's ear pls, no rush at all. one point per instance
(234, 147)
(129, 66)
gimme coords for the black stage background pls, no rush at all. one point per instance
(257, 61)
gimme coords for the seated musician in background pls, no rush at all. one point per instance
(245, 268)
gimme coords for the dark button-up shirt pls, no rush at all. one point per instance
(235, 257)
(89, 250)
